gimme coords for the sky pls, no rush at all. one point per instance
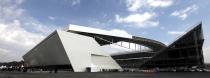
(24, 23)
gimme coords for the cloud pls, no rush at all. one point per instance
(183, 14)
(135, 5)
(162, 28)
(176, 32)
(206, 53)
(73, 2)
(139, 20)
(160, 3)
(19, 32)
(15, 40)
(206, 46)
(51, 17)
(9, 10)
(141, 12)
(4, 55)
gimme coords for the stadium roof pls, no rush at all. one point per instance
(104, 37)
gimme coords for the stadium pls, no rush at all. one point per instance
(81, 51)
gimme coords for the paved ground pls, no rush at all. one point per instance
(104, 75)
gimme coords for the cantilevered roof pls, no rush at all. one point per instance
(98, 31)
(104, 37)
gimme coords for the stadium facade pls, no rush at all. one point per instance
(185, 52)
(81, 51)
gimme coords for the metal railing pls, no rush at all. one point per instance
(112, 43)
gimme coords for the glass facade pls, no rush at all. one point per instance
(184, 52)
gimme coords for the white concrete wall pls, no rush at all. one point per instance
(103, 62)
(84, 51)
(78, 49)
(49, 52)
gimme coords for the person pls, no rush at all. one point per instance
(56, 70)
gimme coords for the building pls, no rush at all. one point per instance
(81, 51)
(185, 52)
(69, 50)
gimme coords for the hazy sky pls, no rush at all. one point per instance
(24, 23)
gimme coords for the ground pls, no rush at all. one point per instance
(105, 75)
